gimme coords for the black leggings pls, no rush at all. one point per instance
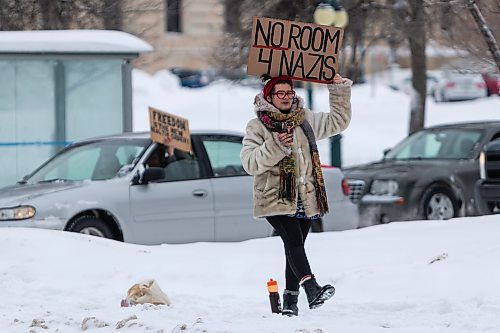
(293, 232)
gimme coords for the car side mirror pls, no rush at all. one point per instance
(149, 175)
(386, 151)
(24, 180)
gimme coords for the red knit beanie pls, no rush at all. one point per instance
(272, 82)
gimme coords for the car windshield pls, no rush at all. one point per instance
(96, 160)
(443, 143)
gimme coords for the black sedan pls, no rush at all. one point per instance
(430, 175)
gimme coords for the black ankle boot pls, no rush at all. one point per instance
(290, 299)
(317, 295)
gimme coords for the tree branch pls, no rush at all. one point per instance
(379, 6)
(446, 3)
(488, 36)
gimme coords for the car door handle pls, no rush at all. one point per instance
(200, 193)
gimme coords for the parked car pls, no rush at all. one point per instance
(430, 175)
(192, 78)
(492, 81)
(454, 86)
(104, 187)
(488, 186)
(406, 84)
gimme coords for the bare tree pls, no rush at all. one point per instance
(355, 35)
(477, 36)
(417, 18)
(409, 17)
(51, 18)
(18, 15)
(60, 14)
(233, 15)
(112, 14)
(416, 34)
(486, 32)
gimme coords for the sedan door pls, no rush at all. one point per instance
(174, 211)
(233, 191)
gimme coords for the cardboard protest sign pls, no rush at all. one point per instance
(303, 51)
(164, 125)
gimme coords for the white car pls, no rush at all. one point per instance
(454, 86)
(406, 84)
(108, 187)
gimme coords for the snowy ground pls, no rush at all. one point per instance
(384, 278)
(61, 282)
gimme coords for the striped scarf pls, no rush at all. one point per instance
(280, 122)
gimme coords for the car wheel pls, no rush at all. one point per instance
(438, 203)
(91, 225)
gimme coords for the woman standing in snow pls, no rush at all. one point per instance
(279, 150)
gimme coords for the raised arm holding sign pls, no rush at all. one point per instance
(166, 127)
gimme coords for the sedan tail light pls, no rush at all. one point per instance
(345, 187)
(450, 84)
(481, 85)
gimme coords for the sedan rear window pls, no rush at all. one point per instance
(437, 144)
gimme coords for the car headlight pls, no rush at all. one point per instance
(384, 187)
(17, 213)
(482, 169)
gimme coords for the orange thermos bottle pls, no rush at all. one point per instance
(274, 296)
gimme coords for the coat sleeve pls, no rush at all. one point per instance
(328, 124)
(258, 154)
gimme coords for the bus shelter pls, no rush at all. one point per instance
(60, 86)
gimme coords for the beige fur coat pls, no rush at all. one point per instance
(262, 151)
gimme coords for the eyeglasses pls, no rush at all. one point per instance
(281, 94)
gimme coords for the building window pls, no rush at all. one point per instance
(174, 15)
